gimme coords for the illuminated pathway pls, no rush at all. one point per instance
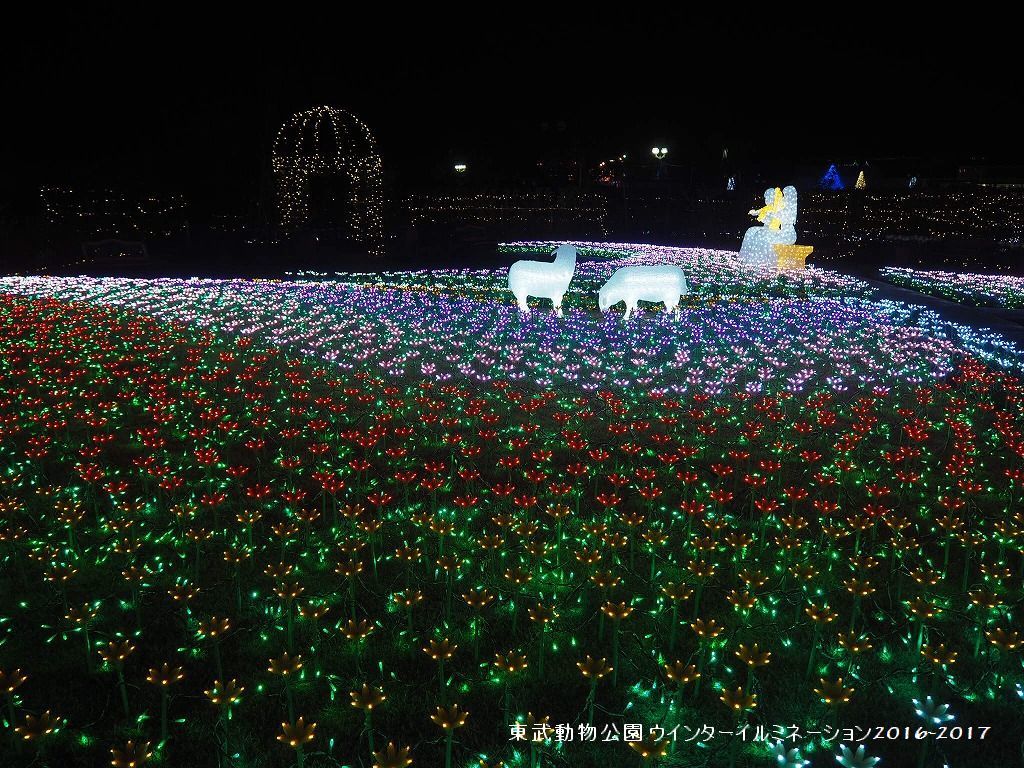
(1008, 323)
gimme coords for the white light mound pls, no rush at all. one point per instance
(632, 284)
(779, 228)
(543, 279)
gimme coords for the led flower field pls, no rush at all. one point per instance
(964, 287)
(711, 274)
(754, 345)
(276, 523)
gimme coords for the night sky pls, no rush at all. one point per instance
(189, 102)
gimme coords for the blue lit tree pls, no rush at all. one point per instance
(831, 180)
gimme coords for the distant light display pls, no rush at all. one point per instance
(109, 213)
(530, 211)
(967, 288)
(831, 180)
(994, 216)
(329, 142)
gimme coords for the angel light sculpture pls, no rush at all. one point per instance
(778, 227)
(632, 284)
(543, 279)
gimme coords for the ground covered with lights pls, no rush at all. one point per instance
(368, 519)
(965, 287)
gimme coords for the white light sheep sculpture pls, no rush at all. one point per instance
(544, 279)
(632, 284)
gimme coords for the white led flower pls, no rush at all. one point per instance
(859, 759)
(931, 712)
(790, 758)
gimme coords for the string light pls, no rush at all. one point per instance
(529, 211)
(110, 213)
(985, 214)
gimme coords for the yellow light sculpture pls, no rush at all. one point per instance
(792, 256)
(767, 214)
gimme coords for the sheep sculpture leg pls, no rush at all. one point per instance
(672, 306)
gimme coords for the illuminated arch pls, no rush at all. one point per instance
(325, 142)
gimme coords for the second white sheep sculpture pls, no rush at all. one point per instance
(632, 284)
(543, 279)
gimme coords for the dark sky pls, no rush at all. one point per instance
(189, 101)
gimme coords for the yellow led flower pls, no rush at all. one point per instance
(440, 649)
(594, 668)
(131, 755)
(296, 734)
(224, 694)
(833, 692)
(366, 698)
(450, 718)
(37, 727)
(165, 675)
(738, 700)
(392, 757)
(753, 656)
(285, 665)
(650, 748)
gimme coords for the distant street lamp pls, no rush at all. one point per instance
(660, 153)
(460, 167)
